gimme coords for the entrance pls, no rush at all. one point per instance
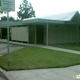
(40, 34)
(4, 33)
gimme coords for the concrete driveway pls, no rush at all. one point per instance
(3, 48)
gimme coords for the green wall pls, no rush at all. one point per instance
(62, 34)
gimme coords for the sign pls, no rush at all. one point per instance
(8, 5)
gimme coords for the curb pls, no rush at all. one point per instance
(5, 75)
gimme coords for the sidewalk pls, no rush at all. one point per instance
(43, 46)
(59, 49)
(45, 74)
(4, 75)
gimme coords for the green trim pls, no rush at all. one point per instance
(37, 20)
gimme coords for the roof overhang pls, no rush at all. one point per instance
(35, 21)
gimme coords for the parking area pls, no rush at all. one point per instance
(3, 48)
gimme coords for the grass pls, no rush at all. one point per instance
(73, 47)
(38, 58)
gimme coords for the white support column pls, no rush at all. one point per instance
(77, 34)
(47, 34)
(35, 35)
(21, 33)
(28, 34)
(16, 33)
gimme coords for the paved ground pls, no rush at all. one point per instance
(59, 49)
(1, 78)
(43, 46)
(3, 48)
(46, 74)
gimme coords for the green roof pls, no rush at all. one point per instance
(67, 20)
(67, 16)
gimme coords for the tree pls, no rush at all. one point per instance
(0, 7)
(0, 2)
(25, 10)
(5, 18)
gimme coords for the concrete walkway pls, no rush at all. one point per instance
(43, 46)
(4, 75)
(45, 74)
(3, 48)
(59, 49)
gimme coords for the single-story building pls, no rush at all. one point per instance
(55, 29)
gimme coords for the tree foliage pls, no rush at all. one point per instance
(0, 7)
(25, 10)
(3, 18)
(0, 2)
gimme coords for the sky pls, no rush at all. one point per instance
(49, 7)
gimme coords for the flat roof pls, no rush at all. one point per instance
(36, 20)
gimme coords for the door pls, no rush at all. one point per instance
(40, 34)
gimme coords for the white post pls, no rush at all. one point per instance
(28, 34)
(47, 34)
(16, 34)
(8, 38)
(21, 34)
(77, 35)
(8, 5)
(35, 35)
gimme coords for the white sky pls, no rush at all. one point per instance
(48, 7)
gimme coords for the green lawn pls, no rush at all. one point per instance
(73, 47)
(38, 58)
